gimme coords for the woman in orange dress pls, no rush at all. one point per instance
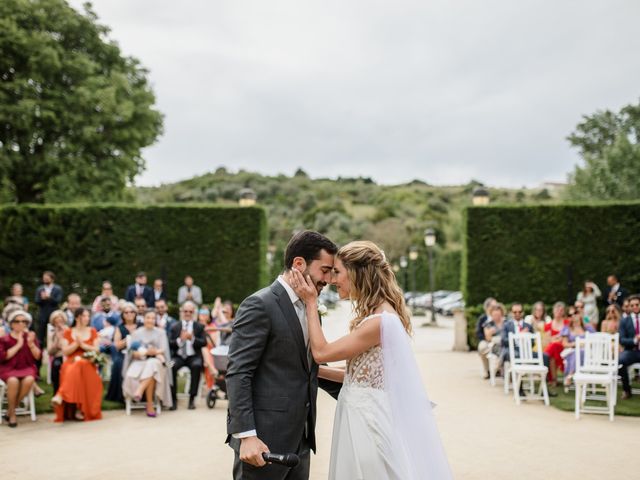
(80, 394)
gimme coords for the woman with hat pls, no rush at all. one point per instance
(19, 351)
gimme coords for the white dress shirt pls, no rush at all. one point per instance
(186, 347)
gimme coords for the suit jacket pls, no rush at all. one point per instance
(621, 294)
(511, 327)
(271, 384)
(48, 305)
(199, 338)
(147, 294)
(627, 330)
(196, 294)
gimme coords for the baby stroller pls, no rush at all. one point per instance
(219, 389)
(220, 354)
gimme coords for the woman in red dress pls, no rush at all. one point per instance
(554, 347)
(80, 394)
(19, 351)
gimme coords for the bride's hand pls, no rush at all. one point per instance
(303, 286)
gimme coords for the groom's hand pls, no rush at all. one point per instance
(251, 449)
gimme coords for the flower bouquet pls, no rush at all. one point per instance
(97, 358)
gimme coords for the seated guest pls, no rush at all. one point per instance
(514, 325)
(80, 394)
(18, 291)
(493, 330)
(611, 322)
(158, 290)
(146, 365)
(11, 304)
(570, 333)
(629, 339)
(211, 331)
(107, 291)
(223, 315)
(554, 344)
(127, 326)
(55, 336)
(106, 336)
(140, 289)
(626, 307)
(163, 319)
(74, 302)
(593, 322)
(186, 340)
(189, 291)
(483, 345)
(141, 308)
(19, 351)
(106, 314)
(539, 320)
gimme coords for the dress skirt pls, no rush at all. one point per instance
(80, 388)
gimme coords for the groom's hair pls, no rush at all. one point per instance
(308, 245)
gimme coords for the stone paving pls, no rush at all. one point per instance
(485, 434)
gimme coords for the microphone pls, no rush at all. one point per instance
(286, 459)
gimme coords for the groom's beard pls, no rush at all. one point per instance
(319, 284)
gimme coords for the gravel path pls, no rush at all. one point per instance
(485, 434)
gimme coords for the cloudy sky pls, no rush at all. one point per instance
(440, 90)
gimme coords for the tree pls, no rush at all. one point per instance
(74, 112)
(609, 143)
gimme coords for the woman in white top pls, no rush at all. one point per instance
(589, 297)
(384, 426)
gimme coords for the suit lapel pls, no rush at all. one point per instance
(284, 302)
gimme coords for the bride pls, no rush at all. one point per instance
(384, 427)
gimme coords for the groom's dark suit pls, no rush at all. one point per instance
(271, 386)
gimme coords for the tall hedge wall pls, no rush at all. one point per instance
(223, 248)
(530, 253)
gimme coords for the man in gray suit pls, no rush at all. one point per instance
(272, 380)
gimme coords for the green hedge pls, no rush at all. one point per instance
(223, 248)
(529, 253)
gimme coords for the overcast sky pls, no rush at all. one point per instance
(444, 91)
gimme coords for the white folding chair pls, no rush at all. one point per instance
(525, 364)
(185, 372)
(28, 403)
(130, 404)
(597, 373)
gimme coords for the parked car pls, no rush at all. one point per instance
(424, 300)
(448, 304)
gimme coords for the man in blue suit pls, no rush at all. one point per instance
(140, 289)
(514, 325)
(629, 337)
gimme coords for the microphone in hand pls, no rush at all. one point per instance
(286, 459)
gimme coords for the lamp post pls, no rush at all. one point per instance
(403, 265)
(413, 256)
(430, 242)
(480, 197)
(247, 197)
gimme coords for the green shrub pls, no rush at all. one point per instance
(223, 248)
(531, 253)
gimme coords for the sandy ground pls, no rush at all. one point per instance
(485, 434)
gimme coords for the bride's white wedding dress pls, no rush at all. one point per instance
(384, 427)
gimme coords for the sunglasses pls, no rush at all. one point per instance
(20, 321)
(516, 311)
(188, 311)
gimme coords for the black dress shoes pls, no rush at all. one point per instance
(192, 404)
(173, 407)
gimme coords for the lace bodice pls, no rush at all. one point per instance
(366, 370)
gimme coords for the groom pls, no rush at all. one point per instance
(272, 380)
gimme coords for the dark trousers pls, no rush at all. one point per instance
(627, 358)
(244, 471)
(194, 362)
(56, 364)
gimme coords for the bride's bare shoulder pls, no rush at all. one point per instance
(385, 308)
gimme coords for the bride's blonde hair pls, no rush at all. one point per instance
(372, 281)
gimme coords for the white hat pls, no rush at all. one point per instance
(20, 313)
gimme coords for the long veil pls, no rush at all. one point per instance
(411, 410)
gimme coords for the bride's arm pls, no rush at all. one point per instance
(358, 341)
(331, 373)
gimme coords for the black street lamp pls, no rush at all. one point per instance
(413, 256)
(430, 242)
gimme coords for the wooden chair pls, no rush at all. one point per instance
(527, 365)
(597, 374)
(28, 403)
